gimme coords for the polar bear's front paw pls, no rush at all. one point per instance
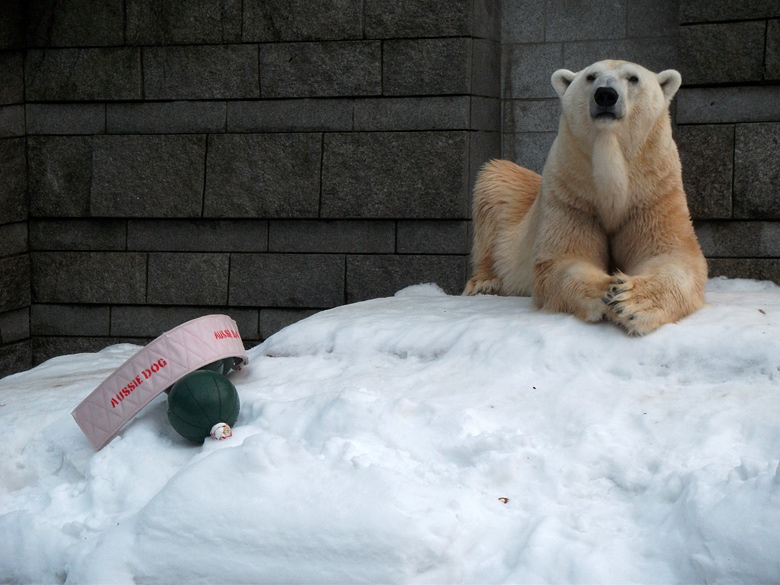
(632, 305)
(482, 286)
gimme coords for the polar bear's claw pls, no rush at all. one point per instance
(631, 304)
(479, 286)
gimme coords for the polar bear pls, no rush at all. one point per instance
(605, 231)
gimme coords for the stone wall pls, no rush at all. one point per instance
(15, 343)
(164, 159)
(263, 158)
(728, 118)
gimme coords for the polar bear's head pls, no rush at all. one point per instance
(609, 94)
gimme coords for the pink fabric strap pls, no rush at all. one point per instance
(154, 368)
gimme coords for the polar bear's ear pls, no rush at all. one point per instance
(561, 80)
(670, 82)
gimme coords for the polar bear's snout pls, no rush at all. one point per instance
(606, 97)
(606, 104)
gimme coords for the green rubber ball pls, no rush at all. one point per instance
(200, 400)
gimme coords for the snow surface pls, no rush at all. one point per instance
(422, 438)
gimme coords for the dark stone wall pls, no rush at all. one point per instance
(728, 117)
(263, 158)
(15, 342)
(165, 159)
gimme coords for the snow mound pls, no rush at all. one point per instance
(422, 438)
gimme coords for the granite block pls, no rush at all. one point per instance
(427, 66)
(88, 277)
(722, 53)
(290, 115)
(433, 237)
(486, 21)
(45, 348)
(412, 113)
(14, 282)
(263, 175)
(13, 239)
(720, 10)
(11, 77)
(188, 278)
(651, 18)
(576, 20)
(707, 154)
(531, 115)
(756, 171)
(181, 22)
(485, 114)
(13, 180)
(15, 325)
(153, 321)
(60, 174)
(388, 19)
(522, 21)
(180, 117)
(332, 237)
(75, 23)
(727, 105)
(739, 239)
(400, 175)
(78, 234)
(485, 68)
(750, 268)
(148, 176)
(377, 276)
(104, 74)
(12, 121)
(309, 281)
(69, 320)
(302, 20)
(198, 235)
(12, 22)
(273, 320)
(66, 118)
(527, 70)
(15, 358)
(324, 69)
(772, 57)
(201, 72)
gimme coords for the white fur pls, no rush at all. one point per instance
(606, 231)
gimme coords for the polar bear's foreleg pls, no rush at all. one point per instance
(667, 289)
(664, 272)
(571, 285)
(570, 269)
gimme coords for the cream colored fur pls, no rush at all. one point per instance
(605, 231)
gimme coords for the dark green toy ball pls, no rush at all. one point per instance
(200, 400)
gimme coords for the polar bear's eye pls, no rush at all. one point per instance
(633, 79)
(591, 78)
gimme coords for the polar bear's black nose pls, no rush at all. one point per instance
(606, 97)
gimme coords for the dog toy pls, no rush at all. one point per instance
(201, 342)
(203, 403)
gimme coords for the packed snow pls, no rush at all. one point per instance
(422, 438)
